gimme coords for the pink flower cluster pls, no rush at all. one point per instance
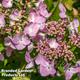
(39, 30)
(53, 49)
(37, 19)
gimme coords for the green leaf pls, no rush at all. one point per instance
(55, 15)
(1, 47)
(55, 12)
(61, 69)
(49, 4)
(75, 77)
(72, 49)
(5, 62)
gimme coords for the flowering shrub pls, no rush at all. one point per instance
(41, 37)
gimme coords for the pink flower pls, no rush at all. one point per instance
(73, 70)
(7, 3)
(2, 20)
(69, 73)
(32, 16)
(29, 60)
(35, 17)
(43, 10)
(39, 15)
(40, 60)
(18, 42)
(39, 1)
(53, 43)
(36, 23)
(62, 9)
(1, 57)
(62, 15)
(8, 42)
(37, 20)
(45, 67)
(16, 15)
(31, 29)
(74, 25)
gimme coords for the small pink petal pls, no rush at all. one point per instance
(32, 16)
(41, 60)
(20, 46)
(47, 70)
(29, 60)
(52, 69)
(8, 42)
(7, 3)
(44, 71)
(69, 73)
(76, 24)
(53, 44)
(2, 20)
(62, 15)
(29, 65)
(43, 10)
(28, 57)
(40, 19)
(32, 29)
(20, 41)
(35, 17)
(62, 8)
